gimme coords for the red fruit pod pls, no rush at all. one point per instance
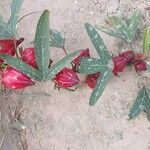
(28, 56)
(14, 79)
(91, 80)
(83, 54)
(128, 55)
(66, 78)
(122, 60)
(140, 66)
(119, 64)
(8, 46)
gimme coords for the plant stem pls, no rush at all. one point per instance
(64, 49)
(31, 13)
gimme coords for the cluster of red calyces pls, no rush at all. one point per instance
(67, 77)
(128, 57)
(12, 78)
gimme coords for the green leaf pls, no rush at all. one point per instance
(91, 66)
(109, 32)
(5, 31)
(148, 66)
(42, 43)
(57, 39)
(21, 66)
(61, 64)
(147, 103)
(98, 43)
(134, 22)
(146, 41)
(120, 25)
(138, 106)
(101, 84)
(15, 9)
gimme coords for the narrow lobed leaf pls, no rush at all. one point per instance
(146, 41)
(109, 32)
(21, 66)
(57, 39)
(98, 43)
(60, 65)
(91, 66)
(42, 43)
(101, 84)
(5, 31)
(138, 106)
(120, 25)
(134, 22)
(148, 66)
(15, 9)
(147, 103)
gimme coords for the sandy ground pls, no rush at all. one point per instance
(62, 120)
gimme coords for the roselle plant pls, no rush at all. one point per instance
(25, 67)
(126, 30)
(39, 68)
(108, 65)
(142, 102)
(42, 54)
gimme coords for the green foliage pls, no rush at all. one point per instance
(146, 41)
(21, 66)
(9, 29)
(121, 28)
(98, 43)
(5, 31)
(138, 106)
(42, 52)
(60, 65)
(91, 65)
(134, 22)
(42, 43)
(94, 65)
(13, 21)
(148, 66)
(142, 103)
(57, 39)
(100, 86)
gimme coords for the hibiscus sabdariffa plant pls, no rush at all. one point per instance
(35, 63)
(24, 67)
(108, 65)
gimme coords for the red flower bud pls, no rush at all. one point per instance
(91, 80)
(66, 78)
(13, 79)
(28, 56)
(83, 54)
(8, 46)
(140, 65)
(121, 61)
(128, 55)
(119, 64)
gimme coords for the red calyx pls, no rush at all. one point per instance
(13, 79)
(28, 56)
(8, 46)
(121, 61)
(91, 80)
(128, 55)
(66, 78)
(140, 66)
(83, 54)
